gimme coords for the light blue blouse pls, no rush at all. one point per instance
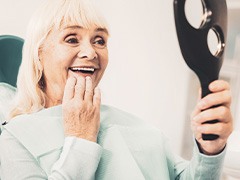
(34, 147)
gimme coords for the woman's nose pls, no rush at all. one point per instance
(87, 51)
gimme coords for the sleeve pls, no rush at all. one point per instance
(78, 160)
(200, 167)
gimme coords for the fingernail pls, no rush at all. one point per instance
(97, 89)
(213, 86)
(200, 128)
(195, 118)
(79, 78)
(71, 79)
(201, 104)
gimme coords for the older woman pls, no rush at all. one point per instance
(65, 55)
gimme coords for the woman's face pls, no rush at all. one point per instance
(72, 51)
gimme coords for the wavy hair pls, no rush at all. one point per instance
(30, 95)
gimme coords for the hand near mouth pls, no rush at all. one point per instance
(81, 108)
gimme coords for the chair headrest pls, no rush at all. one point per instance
(10, 58)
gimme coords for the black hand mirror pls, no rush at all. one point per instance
(194, 42)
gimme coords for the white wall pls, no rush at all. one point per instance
(146, 75)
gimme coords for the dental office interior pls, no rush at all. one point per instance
(147, 75)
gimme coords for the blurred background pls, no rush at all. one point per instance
(147, 75)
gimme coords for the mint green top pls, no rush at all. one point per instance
(34, 147)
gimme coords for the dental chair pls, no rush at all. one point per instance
(10, 60)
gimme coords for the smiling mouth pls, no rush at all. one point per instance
(84, 70)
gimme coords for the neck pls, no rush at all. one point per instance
(52, 102)
(53, 97)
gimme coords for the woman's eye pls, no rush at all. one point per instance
(100, 42)
(72, 40)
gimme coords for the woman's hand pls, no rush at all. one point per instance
(81, 108)
(203, 112)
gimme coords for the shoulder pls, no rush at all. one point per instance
(44, 126)
(22, 123)
(36, 123)
(42, 117)
(19, 126)
(8, 141)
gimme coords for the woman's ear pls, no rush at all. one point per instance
(39, 64)
(40, 58)
(40, 53)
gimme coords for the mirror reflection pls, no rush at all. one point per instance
(195, 13)
(215, 45)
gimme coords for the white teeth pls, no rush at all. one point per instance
(82, 69)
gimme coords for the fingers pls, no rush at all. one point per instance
(221, 95)
(80, 89)
(214, 99)
(199, 94)
(69, 89)
(88, 96)
(84, 91)
(97, 97)
(223, 128)
(218, 129)
(195, 112)
(214, 106)
(220, 113)
(219, 85)
(82, 113)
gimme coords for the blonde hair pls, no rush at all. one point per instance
(30, 95)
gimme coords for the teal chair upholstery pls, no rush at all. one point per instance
(10, 58)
